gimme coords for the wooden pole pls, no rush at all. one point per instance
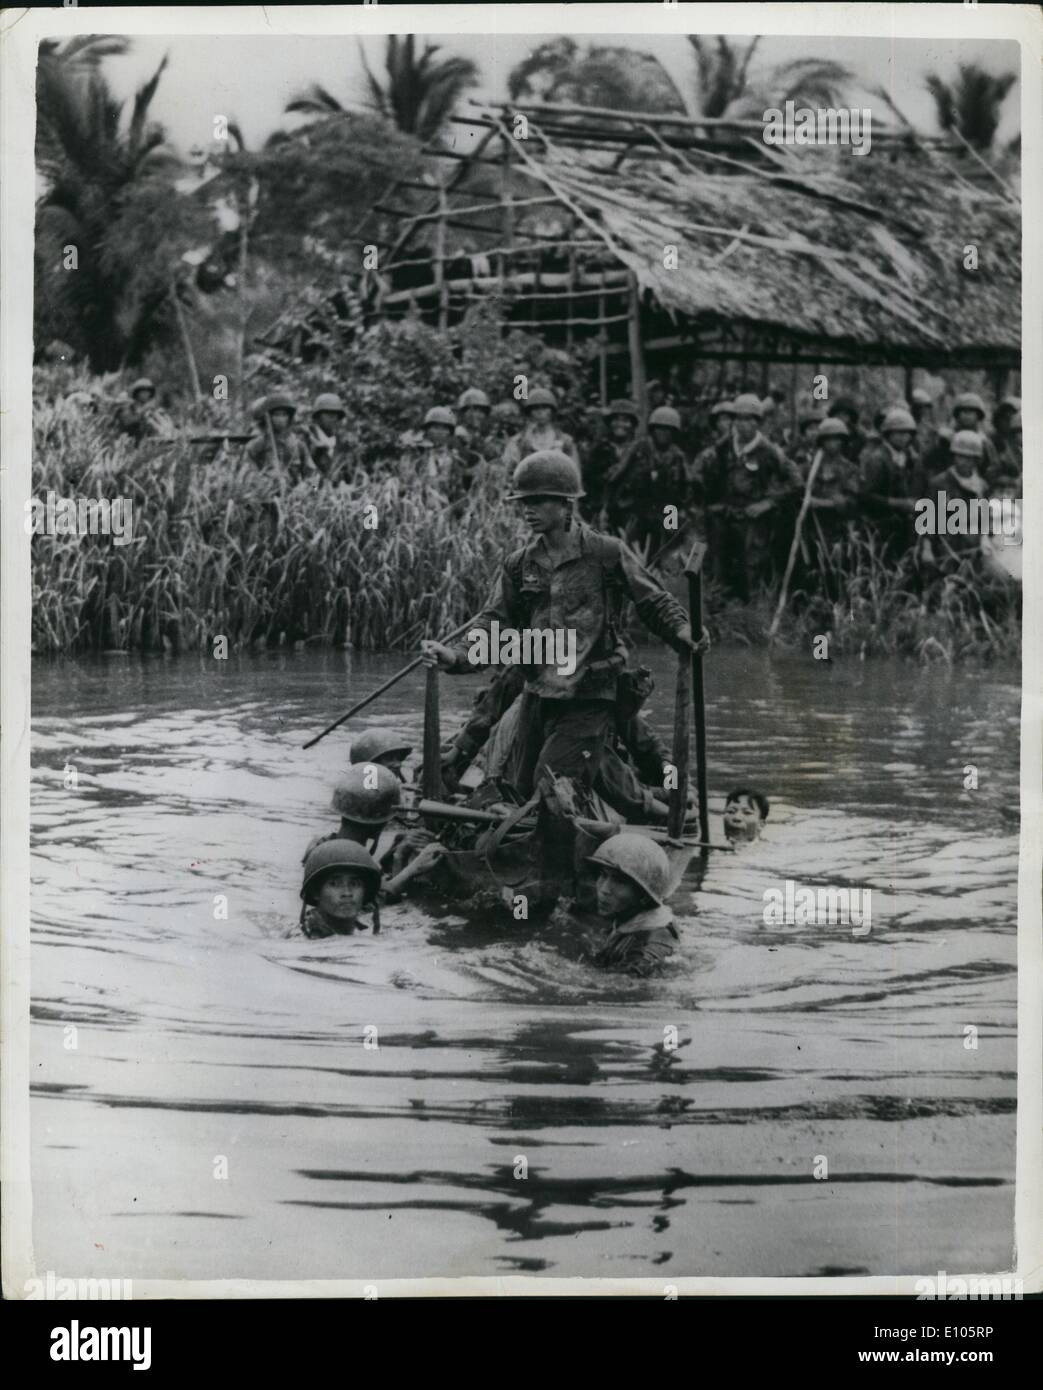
(186, 343)
(795, 546)
(639, 389)
(439, 260)
(681, 749)
(393, 680)
(432, 774)
(694, 573)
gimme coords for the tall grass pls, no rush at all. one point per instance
(229, 550)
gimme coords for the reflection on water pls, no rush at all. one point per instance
(519, 1112)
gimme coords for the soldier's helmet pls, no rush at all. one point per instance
(968, 443)
(666, 417)
(440, 415)
(627, 408)
(368, 793)
(897, 419)
(541, 395)
(639, 859)
(723, 408)
(834, 427)
(328, 401)
(747, 404)
(473, 397)
(969, 400)
(280, 400)
(378, 743)
(1009, 404)
(142, 384)
(919, 396)
(339, 854)
(546, 473)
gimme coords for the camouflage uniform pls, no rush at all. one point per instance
(732, 478)
(885, 474)
(567, 719)
(639, 944)
(643, 484)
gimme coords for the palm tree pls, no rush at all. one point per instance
(418, 94)
(726, 87)
(101, 180)
(971, 105)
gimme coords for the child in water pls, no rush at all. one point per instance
(340, 879)
(633, 880)
(745, 812)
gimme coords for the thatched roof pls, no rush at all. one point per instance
(804, 252)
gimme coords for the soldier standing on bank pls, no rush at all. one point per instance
(473, 433)
(278, 445)
(608, 455)
(323, 437)
(653, 475)
(540, 431)
(568, 578)
(892, 478)
(745, 479)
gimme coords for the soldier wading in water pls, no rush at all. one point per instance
(567, 577)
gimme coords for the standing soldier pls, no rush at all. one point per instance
(834, 500)
(571, 579)
(1006, 440)
(609, 454)
(722, 416)
(140, 417)
(473, 432)
(745, 478)
(960, 479)
(540, 433)
(968, 413)
(324, 443)
(652, 476)
(921, 408)
(892, 478)
(278, 445)
(843, 408)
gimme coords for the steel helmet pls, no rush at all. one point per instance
(968, 443)
(328, 401)
(723, 408)
(473, 397)
(340, 854)
(368, 793)
(919, 396)
(279, 400)
(832, 426)
(810, 415)
(142, 384)
(440, 415)
(546, 473)
(627, 408)
(666, 416)
(377, 743)
(640, 859)
(747, 404)
(1012, 403)
(897, 418)
(541, 396)
(969, 400)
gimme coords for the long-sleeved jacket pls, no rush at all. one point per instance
(882, 473)
(649, 479)
(585, 591)
(639, 944)
(531, 440)
(734, 477)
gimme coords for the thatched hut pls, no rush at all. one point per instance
(659, 237)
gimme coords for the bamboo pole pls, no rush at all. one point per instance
(186, 343)
(638, 385)
(795, 546)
